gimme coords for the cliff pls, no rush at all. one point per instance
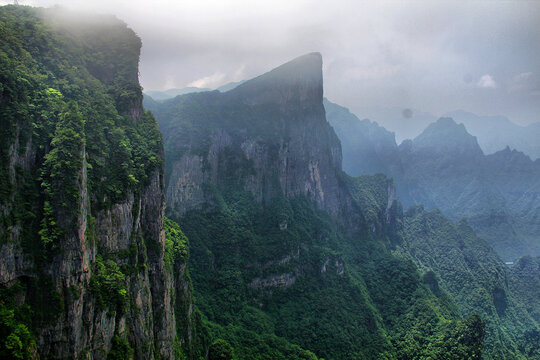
(268, 134)
(82, 243)
(288, 252)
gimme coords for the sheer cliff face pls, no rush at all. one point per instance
(269, 134)
(82, 240)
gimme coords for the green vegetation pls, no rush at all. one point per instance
(220, 350)
(108, 285)
(60, 173)
(121, 349)
(176, 244)
(16, 339)
(74, 141)
(60, 95)
(337, 296)
(458, 263)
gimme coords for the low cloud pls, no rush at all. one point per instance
(211, 81)
(521, 82)
(219, 78)
(486, 81)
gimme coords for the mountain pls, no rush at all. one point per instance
(456, 262)
(289, 252)
(526, 281)
(495, 133)
(497, 194)
(85, 268)
(377, 146)
(230, 86)
(405, 123)
(444, 168)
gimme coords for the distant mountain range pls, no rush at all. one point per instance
(445, 168)
(171, 93)
(494, 133)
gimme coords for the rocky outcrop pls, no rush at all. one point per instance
(89, 263)
(274, 281)
(282, 143)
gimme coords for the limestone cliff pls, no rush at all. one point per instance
(269, 133)
(81, 211)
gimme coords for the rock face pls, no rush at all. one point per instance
(283, 143)
(82, 243)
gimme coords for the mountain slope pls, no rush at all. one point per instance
(456, 262)
(367, 147)
(82, 246)
(283, 242)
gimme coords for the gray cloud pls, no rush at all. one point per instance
(427, 55)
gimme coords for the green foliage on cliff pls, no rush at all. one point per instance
(65, 96)
(62, 181)
(176, 244)
(108, 285)
(16, 338)
(74, 141)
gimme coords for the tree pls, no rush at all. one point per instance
(220, 350)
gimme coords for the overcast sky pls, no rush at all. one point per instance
(434, 56)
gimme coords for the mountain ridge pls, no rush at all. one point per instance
(495, 193)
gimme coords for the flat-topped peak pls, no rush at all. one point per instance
(299, 80)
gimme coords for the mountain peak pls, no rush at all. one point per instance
(299, 80)
(445, 134)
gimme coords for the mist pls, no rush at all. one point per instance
(430, 57)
